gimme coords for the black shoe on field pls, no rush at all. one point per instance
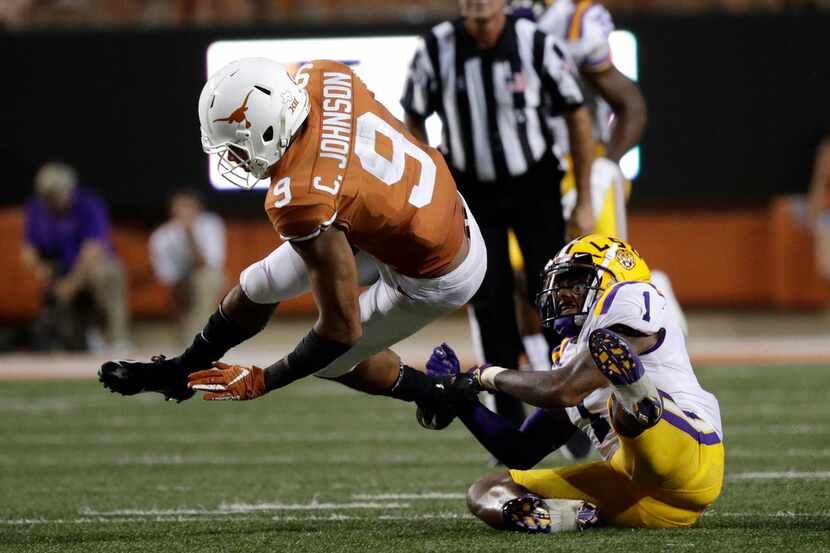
(434, 416)
(162, 375)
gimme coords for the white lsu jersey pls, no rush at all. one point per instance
(640, 306)
(584, 27)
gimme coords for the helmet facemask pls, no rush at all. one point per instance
(249, 111)
(583, 279)
(236, 161)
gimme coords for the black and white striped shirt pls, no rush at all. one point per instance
(492, 103)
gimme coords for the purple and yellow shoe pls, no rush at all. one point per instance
(587, 517)
(528, 514)
(534, 515)
(623, 368)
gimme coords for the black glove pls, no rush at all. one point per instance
(463, 388)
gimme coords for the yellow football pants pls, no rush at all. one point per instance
(664, 478)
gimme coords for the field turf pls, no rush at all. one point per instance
(316, 467)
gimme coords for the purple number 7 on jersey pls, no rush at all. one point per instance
(647, 300)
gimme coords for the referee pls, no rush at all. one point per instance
(492, 79)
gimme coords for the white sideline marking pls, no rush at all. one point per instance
(126, 437)
(313, 505)
(334, 517)
(785, 429)
(785, 475)
(426, 495)
(196, 460)
(775, 454)
(779, 514)
(242, 508)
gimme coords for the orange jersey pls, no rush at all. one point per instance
(354, 166)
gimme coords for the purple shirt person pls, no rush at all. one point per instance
(68, 248)
(58, 236)
(67, 231)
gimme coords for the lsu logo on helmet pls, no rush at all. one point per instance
(590, 265)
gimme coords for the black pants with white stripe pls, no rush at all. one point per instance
(530, 204)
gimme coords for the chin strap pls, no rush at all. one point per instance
(566, 326)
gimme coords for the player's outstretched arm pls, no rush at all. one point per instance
(332, 274)
(566, 386)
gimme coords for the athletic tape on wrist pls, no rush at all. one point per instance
(487, 377)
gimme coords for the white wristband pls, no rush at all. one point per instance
(487, 377)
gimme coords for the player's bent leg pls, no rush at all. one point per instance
(616, 499)
(664, 448)
(395, 307)
(487, 496)
(623, 368)
(505, 505)
(375, 375)
(680, 459)
(389, 316)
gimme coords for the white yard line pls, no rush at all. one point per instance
(127, 437)
(334, 517)
(196, 460)
(201, 516)
(242, 508)
(779, 514)
(423, 495)
(798, 453)
(783, 475)
(782, 429)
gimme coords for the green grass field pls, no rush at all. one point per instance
(316, 467)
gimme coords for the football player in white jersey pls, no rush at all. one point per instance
(618, 112)
(585, 27)
(622, 375)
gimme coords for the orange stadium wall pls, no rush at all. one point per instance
(740, 258)
(758, 257)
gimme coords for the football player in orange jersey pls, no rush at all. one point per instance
(357, 200)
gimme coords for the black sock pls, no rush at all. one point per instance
(219, 335)
(414, 385)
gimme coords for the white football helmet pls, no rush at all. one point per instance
(248, 111)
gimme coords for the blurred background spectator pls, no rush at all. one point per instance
(69, 251)
(188, 254)
(820, 206)
(726, 149)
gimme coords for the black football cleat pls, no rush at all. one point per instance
(451, 391)
(161, 375)
(434, 416)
